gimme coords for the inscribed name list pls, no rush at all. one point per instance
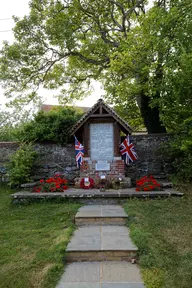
(101, 140)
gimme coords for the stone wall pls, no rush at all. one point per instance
(152, 156)
(54, 158)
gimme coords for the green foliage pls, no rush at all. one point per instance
(142, 56)
(54, 126)
(161, 229)
(11, 122)
(143, 60)
(181, 151)
(64, 46)
(20, 164)
(33, 241)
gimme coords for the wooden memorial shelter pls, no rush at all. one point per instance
(99, 131)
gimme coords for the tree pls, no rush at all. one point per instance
(53, 126)
(64, 44)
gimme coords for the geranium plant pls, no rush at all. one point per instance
(52, 184)
(147, 183)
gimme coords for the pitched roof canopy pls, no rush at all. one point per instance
(104, 110)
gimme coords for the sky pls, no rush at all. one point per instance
(19, 8)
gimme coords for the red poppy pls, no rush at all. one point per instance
(41, 181)
(91, 183)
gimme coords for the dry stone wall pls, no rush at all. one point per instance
(152, 156)
(55, 158)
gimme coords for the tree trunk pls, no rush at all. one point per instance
(151, 116)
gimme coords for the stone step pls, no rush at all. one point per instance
(101, 215)
(118, 274)
(101, 243)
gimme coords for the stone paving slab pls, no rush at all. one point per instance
(82, 272)
(116, 238)
(120, 271)
(105, 274)
(84, 195)
(98, 285)
(121, 285)
(82, 285)
(112, 211)
(85, 239)
(101, 238)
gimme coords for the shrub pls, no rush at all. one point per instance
(20, 164)
(54, 126)
(180, 151)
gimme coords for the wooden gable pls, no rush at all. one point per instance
(101, 112)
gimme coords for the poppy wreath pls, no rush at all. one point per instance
(52, 184)
(87, 184)
(147, 183)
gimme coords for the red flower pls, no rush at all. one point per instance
(91, 184)
(145, 189)
(37, 189)
(57, 175)
(52, 184)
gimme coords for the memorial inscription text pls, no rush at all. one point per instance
(102, 141)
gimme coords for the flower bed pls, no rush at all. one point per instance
(147, 183)
(52, 184)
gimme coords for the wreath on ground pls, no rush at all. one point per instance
(87, 183)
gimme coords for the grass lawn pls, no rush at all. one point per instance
(33, 239)
(162, 230)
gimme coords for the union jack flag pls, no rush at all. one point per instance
(79, 151)
(127, 150)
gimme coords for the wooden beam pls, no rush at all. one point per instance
(100, 115)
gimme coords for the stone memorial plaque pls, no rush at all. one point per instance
(102, 141)
(102, 177)
(102, 166)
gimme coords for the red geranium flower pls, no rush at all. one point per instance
(147, 184)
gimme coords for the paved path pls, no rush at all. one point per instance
(97, 251)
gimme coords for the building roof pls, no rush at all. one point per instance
(126, 128)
